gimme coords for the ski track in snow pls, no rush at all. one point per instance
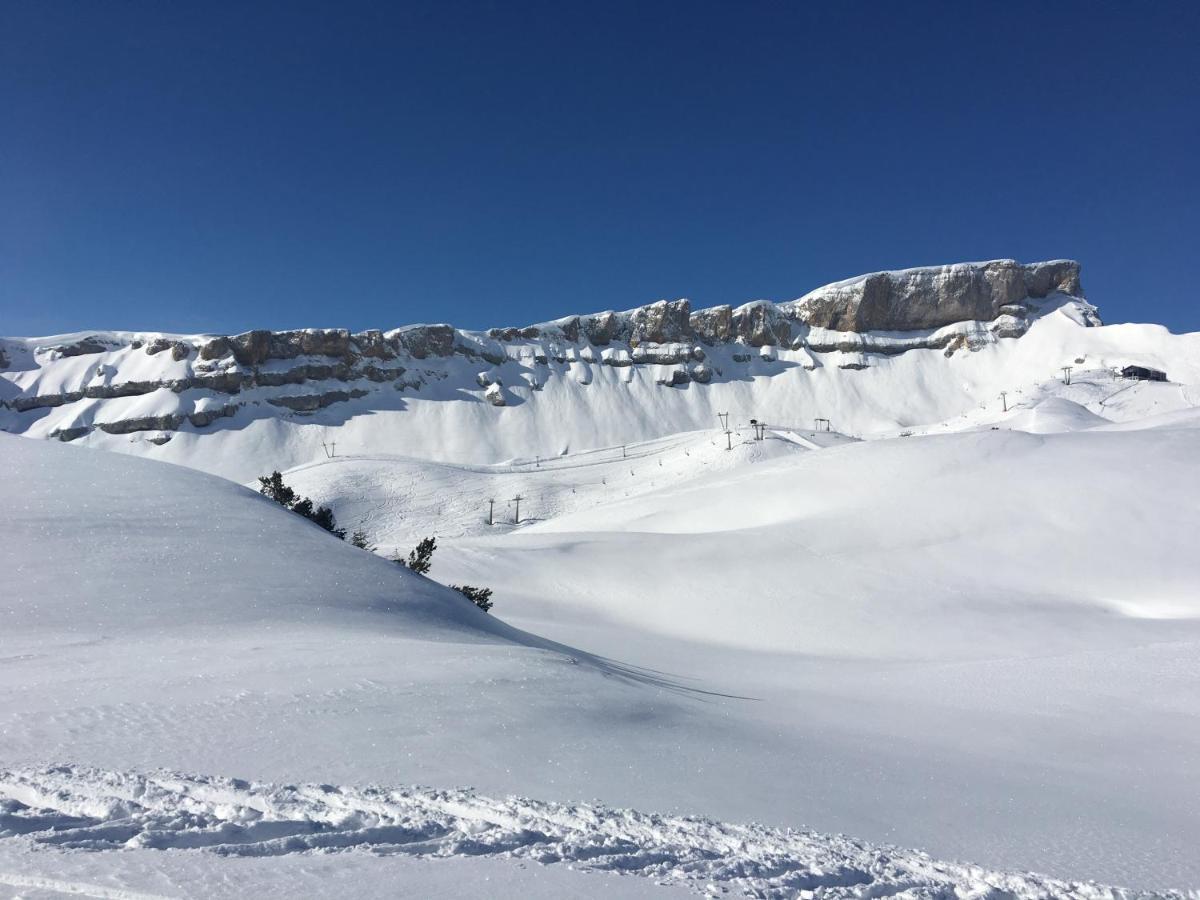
(84, 809)
(81, 888)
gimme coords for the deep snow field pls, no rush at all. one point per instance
(979, 639)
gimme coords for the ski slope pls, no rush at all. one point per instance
(399, 500)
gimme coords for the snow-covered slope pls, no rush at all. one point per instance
(980, 641)
(398, 500)
(957, 546)
(244, 405)
(156, 617)
(95, 545)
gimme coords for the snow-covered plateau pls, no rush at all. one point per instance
(933, 627)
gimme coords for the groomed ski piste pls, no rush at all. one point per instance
(397, 499)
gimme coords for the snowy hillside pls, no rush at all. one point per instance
(398, 500)
(98, 544)
(158, 618)
(952, 546)
(243, 405)
(987, 535)
(980, 641)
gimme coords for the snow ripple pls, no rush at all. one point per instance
(80, 808)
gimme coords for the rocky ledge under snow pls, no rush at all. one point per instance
(907, 300)
(84, 809)
(110, 380)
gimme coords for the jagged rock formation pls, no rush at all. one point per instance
(909, 300)
(83, 347)
(949, 308)
(935, 297)
(312, 402)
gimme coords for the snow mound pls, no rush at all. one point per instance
(1054, 415)
(74, 808)
(100, 543)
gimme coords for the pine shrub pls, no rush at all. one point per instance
(273, 486)
(420, 560)
(481, 597)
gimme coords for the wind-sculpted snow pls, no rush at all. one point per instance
(84, 809)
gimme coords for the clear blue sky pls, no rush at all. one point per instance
(224, 166)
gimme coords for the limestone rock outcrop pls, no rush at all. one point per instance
(950, 308)
(916, 299)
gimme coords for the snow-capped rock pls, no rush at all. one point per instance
(589, 374)
(933, 297)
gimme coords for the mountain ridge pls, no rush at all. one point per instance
(1000, 282)
(243, 404)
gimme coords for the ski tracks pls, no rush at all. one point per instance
(84, 809)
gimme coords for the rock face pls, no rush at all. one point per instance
(313, 402)
(167, 422)
(602, 328)
(761, 324)
(948, 308)
(204, 417)
(84, 347)
(423, 341)
(495, 395)
(713, 326)
(908, 300)
(179, 349)
(661, 322)
(931, 298)
(69, 434)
